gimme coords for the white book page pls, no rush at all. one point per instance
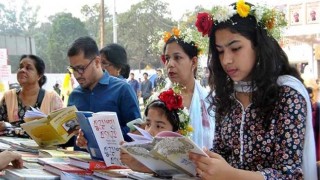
(34, 112)
(107, 131)
(176, 150)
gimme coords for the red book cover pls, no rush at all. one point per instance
(58, 168)
(91, 164)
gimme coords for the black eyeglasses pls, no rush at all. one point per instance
(80, 69)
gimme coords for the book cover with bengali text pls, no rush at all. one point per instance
(57, 128)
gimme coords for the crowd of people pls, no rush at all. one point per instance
(254, 123)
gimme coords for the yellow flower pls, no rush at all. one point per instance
(242, 8)
(166, 36)
(189, 128)
(176, 32)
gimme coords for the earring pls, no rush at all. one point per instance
(258, 63)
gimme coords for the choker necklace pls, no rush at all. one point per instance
(243, 86)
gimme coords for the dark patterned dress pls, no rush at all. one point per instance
(21, 109)
(275, 151)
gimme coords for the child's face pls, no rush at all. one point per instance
(157, 122)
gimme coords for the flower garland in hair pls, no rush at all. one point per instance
(173, 101)
(269, 18)
(186, 37)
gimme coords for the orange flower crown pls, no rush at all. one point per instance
(269, 18)
(185, 37)
(173, 101)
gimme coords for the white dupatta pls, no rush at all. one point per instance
(203, 124)
(309, 166)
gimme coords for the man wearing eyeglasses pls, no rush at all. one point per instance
(97, 90)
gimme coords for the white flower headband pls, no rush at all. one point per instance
(269, 18)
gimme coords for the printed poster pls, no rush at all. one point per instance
(313, 12)
(296, 14)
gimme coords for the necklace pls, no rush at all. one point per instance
(243, 86)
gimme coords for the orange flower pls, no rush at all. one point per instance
(166, 36)
(270, 23)
(176, 32)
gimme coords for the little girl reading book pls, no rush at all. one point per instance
(163, 114)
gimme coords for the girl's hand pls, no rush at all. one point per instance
(81, 140)
(212, 167)
(132, 163)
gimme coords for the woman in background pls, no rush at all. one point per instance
(31, 78)
(180, 56)
(114, 60)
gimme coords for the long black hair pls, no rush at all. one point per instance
(271, 62)
(172, 115)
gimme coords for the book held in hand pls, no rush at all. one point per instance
(57, 128)
(103, 133)
(33, 114)
(166, 154)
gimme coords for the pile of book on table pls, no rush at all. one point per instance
(59, 164)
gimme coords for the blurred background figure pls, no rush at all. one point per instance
(146, 89)
(114, 60)
(134, 84)
(56, 87)
(160, 81)
(315, 120)
(67, 87)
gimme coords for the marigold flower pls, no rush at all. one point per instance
(270, 23)
(166, 36)
(243, 9)
(176, 32)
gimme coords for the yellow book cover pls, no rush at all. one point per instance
(45, 153)
(57, 128)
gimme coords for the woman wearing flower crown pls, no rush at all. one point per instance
(263, 112)
(164, 114)
(180, 56)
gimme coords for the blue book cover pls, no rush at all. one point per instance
(93, 147)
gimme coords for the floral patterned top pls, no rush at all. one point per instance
(276, 152)
(50, 102)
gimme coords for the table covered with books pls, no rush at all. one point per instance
(53, 163)
(165, 154)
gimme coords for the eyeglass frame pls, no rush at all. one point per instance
(81, 68)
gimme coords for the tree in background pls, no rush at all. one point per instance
(20, 22)
(65, 29)
(137, 29)
(91, 21)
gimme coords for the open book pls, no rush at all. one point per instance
(57, 128)
(33, 114)
(103, 133)
(166, 154)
